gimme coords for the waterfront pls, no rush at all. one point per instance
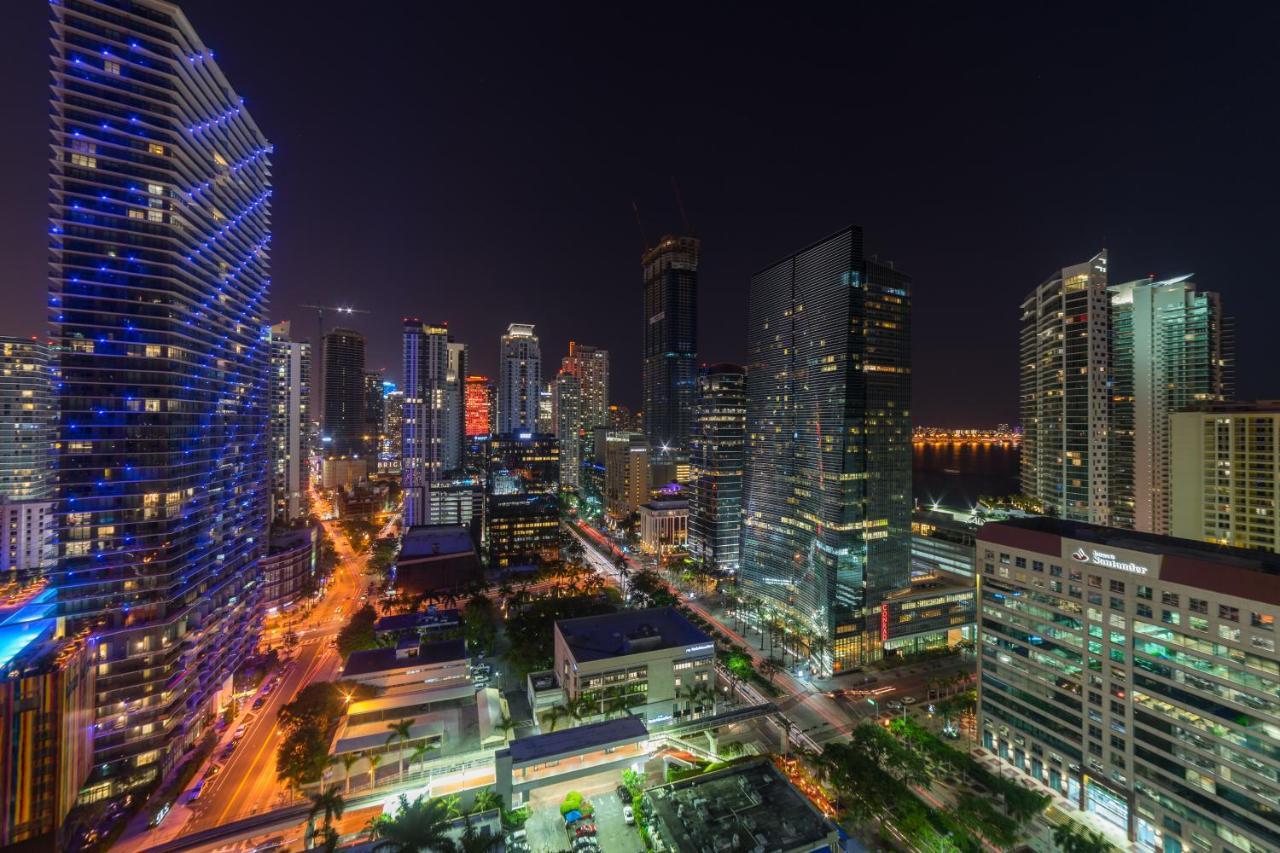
(956, 475)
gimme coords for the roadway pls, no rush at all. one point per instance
(246, 784)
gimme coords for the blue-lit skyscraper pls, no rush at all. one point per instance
(715, 456)
(160, 187)
(827, 526)
(670, 339)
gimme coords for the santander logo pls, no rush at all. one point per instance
(1080, 555)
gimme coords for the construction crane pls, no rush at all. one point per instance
(320, 309)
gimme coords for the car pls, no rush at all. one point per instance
(227, 750)
(624, 795)
(908, 700)
(894, 705)
(196, 791)
(240, 730)
(259, 702)
(629, 815)
(214, 770)
(160, 815)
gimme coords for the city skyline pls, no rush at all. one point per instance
(962, 214)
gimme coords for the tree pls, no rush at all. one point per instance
(358, 633)
(417, 826)
(1070, 837)
(486, 800)
(479, 622)
(421, 751)
(399, 731)
(375, 758)
(347, 760)
(475, 840)
(769, 668)
(553, 715)
(329, 802)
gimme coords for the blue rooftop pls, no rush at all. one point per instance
(578, 739)
(629, 632)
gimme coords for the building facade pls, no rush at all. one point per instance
(716, 451)
(1170, 350)
(289, 567)
(159, 245)
(568, 390)
(1226, 474)
(591, 367)
(345, 395)
(289, 413)
(664, 526)
(455, 405)
(374, 404)
(392, 429)
(479, 407)
(626, 471)
(426, 412)
(522, 512)
(1064, 396)
(670, 338)
(26, 457)
(1137, 676)
(827, 516)
(519, 380)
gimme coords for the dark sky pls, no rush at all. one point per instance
(477, 162)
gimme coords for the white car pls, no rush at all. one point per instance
(629, 815)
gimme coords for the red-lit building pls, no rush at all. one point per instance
(477, 406)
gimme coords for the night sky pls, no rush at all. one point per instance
(477, 164)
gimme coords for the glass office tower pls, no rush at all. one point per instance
(670, 339)
(426, 363)
(716, 456)
(827, 522)
(159, 239)
(346, 403)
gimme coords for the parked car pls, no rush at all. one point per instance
(240, 730)
(629, 815)
(160, 815)
(196, 791)
(624, 794)
(259, 702)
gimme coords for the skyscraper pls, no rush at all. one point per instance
(827, 520)
(455, 424)
(345, 401)
(159, 241)
(519, 380)
(1064, 345)
(479, 406)
(26, 457)
(426, 362)
(568, 391)
(1169, 351)
(716, 449)
(392, 429)
(522, 517)
(290, 410)
(374, 410)
(626, 478)
(591, 367)
(670, 339)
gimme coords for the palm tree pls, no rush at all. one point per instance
(818, 648)
(399, 731)
(553, 715)
(347, 760)
(330, 837)
(329, 802)
(420, 753)
(769, 668)
(419, 825)
(375, 758)
(507, 725)
(486, 800)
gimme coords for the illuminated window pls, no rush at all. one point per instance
(155, 216)
(155, 148)
(136, 214)
(111, 67)
(82, 154)
(155, 189)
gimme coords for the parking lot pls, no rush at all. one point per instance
(545, 829)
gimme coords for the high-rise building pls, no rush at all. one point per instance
(519, 380)
(479, 406)
(1136, 676)
(626, 466)
(455, 423)
(374, 411)
(591, 367)
(622, 418)
(1064, 398)
(827, 515)
(392, 429)
(716, 450)
(522, 515)
(346, 403)
(547, 409)
(26, 457)
(1225, 474)
(426, 362)
(670, 339)
(290, 410)
(568, 390)
(159, 245)
(1170, 349)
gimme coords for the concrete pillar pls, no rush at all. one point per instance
(713, 745)
(502, 775)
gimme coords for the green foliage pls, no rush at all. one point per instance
(384, 552)
(530, 630)
(308, 722)
(479, 623)
(357, 634)
(417, 825)
(651, 590)
(1070, 837)
(572, 800)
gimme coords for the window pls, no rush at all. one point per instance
(155, 216)
(1172, 599)
(1199, 623)
(1055, 571)
(82, 154)
(1265, 621)
(134, 213)
(1263, 643)
(1144, 610)
(1004, 558)
(155, 189)
(1231, 614)
(1020, 562)
(111, 67)
(155, 148)
(1227, 632)
(1117, 587)
(1037, 566)
(1170, 617)
(1117, 604)
(1144, 592)
(1095, 582)
(1198, 605)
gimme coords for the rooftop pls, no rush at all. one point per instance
(628, 632)
(411, 621)
(660, 506)
(430, 540)
(578, 739)
(745, 807)
(369, 661)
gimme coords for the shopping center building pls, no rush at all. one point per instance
(1137, 676)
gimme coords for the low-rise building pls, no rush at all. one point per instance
(27, 530)
(942, 543)
(653, 663)
(1137, 676)
(435, 558)
(664, 526)
(289, 566)
(544, 693)
(411, 663)
(429, 625)
(931, 613)
(339, 472)
(748, 806)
